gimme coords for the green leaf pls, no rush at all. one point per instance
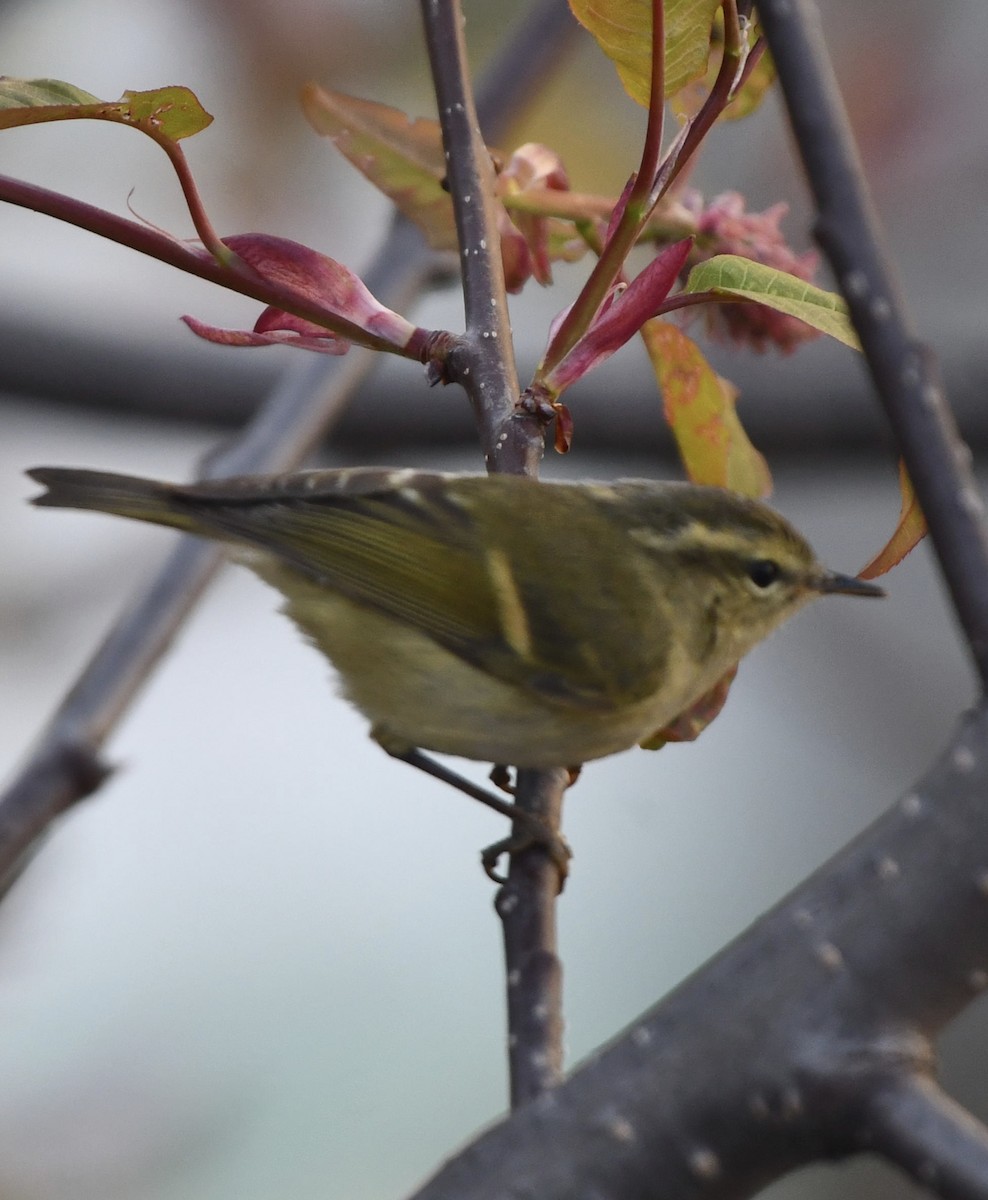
(909, 531)
(174, 112)
(165, 113)
(402, 157)
(751, 93)
(34, 93)
(623, 30)
(732, 275)
(700, 410)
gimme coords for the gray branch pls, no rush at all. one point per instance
(793, 1042)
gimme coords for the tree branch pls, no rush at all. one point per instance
(936, 1141)
(782, 1049)
(513, 442)
(903, 369)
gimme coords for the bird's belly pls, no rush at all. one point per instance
(418, 694)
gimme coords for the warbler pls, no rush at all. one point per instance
(496, 617)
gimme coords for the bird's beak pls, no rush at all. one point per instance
(846, 585)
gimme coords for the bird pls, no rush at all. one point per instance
(497, 617)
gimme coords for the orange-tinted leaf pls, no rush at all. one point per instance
(400, 156)
(688, 726)
(623, 30)
(563, 439)
(171, 112)
(700, 409)
(909, 531)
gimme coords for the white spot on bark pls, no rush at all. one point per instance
(621, 1129)
(964, 760)
(887, 869)
(856, 283)
(704, 1163)
(971, 502)
(829, 955)
(912, 805)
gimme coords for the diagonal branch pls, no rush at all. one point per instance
(903, 369)
(789, 1045)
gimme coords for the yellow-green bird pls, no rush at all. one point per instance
(496, 617)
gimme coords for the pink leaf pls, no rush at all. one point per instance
(621, 316)
(312, 281)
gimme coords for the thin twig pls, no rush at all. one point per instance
(915, 1124)
(527, 908)
(484, 364)
(718, 97)
(637, 208)
(235, 275)
(903, 369)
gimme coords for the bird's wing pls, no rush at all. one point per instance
(424, 554)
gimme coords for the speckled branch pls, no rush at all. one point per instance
(512, 440)
(903, 369)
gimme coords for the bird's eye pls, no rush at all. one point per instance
(763, 572)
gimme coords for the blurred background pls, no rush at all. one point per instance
(262, 960)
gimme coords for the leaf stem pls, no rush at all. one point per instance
(233, 275)
(635, 213)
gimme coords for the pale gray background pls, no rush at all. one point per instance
(262, 961)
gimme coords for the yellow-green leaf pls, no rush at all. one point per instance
(174, 112)
(909, 531)
(747, 98)
(623, 30)
(700, 410)
(171, 112)
(732, 275)
(37, 93)
(400, 156)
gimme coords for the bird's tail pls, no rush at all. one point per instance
(103, 491)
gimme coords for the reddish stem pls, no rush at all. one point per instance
(235, 275)
(611, 262)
